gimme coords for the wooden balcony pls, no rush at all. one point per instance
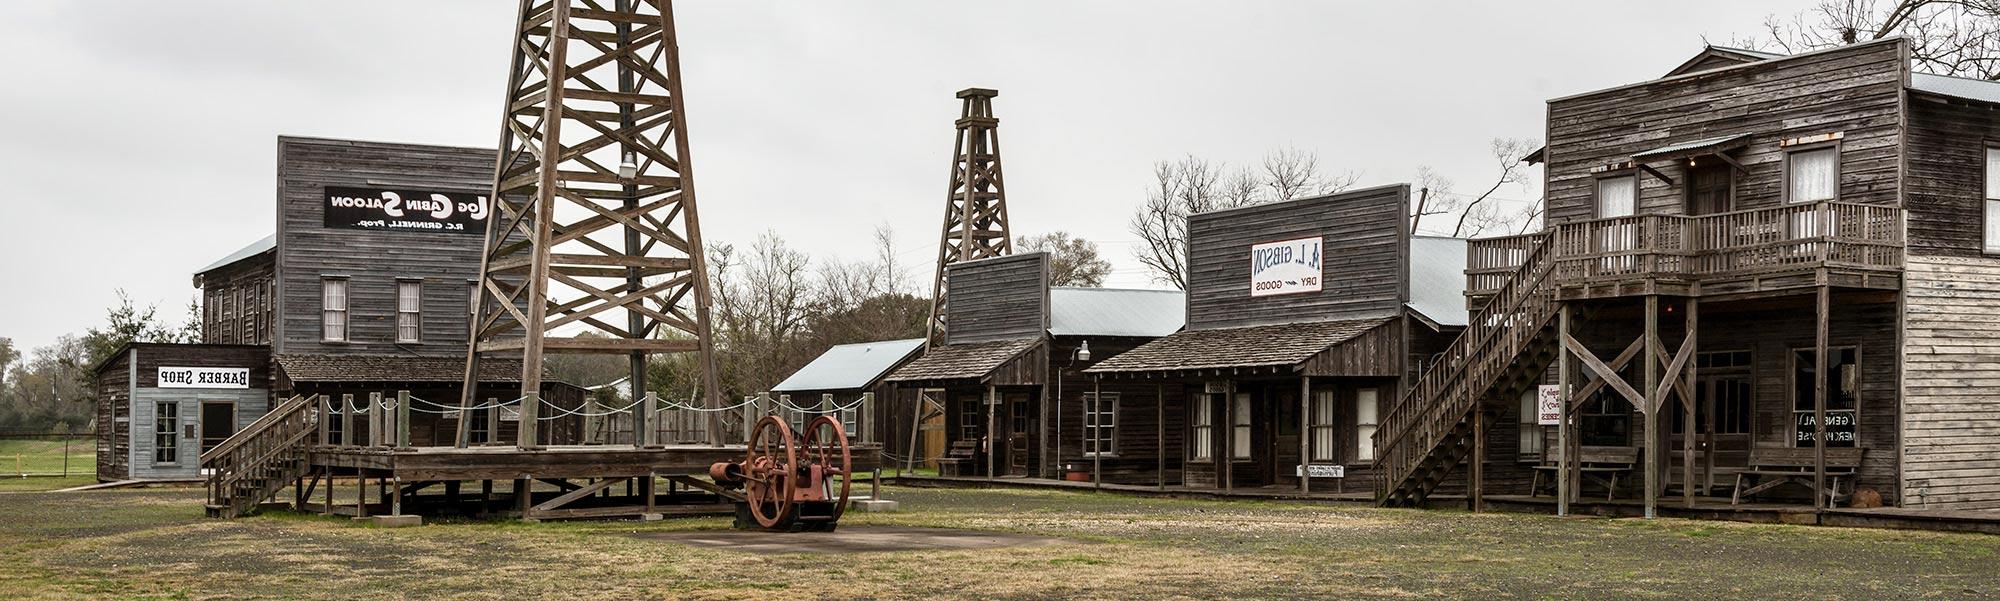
(1737, 253)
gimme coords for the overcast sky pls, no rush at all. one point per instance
(137, 138)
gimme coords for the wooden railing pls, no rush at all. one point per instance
(1443, 395)
(1705, 247)
(259, 460)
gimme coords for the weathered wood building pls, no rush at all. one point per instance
(1009, 379)
(1763, 276)
(1303, 318)
(161, 405)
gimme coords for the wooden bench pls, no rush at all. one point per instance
(962, 455)
(1600, 464)
(1771, 467)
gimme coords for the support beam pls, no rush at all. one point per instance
(1651, 382)
(992, 428)
(1097, 458)
(1820, 500)
(1305, 434)
(1689, 396)
(1562, 424)
(1477, 472)
(1160, 433)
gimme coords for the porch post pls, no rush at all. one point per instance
(1305, 434)
(1097, 444)
(1160, 425)
(1477, 471)
(1819, 399)
(1688, 399)
(1652, 408)
(1228, 454)
(916, 424)
(992, 428)
(1563, 413)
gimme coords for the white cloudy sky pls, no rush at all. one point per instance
(137, 137)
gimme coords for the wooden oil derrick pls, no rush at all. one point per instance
(595, 246)
(975, 215)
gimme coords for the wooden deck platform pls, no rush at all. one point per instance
(509, 462)
(1269, 493)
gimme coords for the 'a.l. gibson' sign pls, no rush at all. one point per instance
(405, 210)
(1287, 267)
(204, 377)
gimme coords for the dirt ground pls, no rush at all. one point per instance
(153, 543)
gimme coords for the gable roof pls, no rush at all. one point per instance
(1437, 279)
(850, 366)
(1282, 345)
(255, 248)
(1116, 312)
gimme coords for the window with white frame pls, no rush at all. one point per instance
(409, 311)
(333, 309)
(1239, 427)
(1364, 424)
(166, 432)
(1323, 426)
(1617, 196)
(1530, 429)
(1204, 428)
(850, 417)
(1100, 423)
(1992, 203)
(1812, 175)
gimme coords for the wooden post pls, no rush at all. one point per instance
(1305, 434)
(492, 421)
(396, 498)
(376, 421)
(992, 428)
(645, 421)
(916, 426)
(1160, 434)
(1097, 444)
(1652, 408)
(1688, 401)
(402, 419)
(1820, 500)
(328, 509)
(325, 420)
(646, 484)
(1563, 414)
(463, 437)
(1228, 454)
(360, 494)
(1477, 500)
(524, 494)
(347, 420)
(531, 405)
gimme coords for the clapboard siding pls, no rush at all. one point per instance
(1137, 439)
(1951, 352)
(238, 302)
(1002, 298)
(250, 405)
(1855, 90)
(114, 417)
(152, 357)
(1366, 245)
(1948, 138)
(373, 261)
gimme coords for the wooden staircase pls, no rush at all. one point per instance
(1506, 347)
(258, 461)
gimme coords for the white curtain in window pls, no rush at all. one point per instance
(1993, 173)
(1364, 418)
(333, 305)
(409, 303)
(1239, 436)
(1204, 427)
(1813, 176)
(1993, 225)
(1616, 196)
(1322, 425)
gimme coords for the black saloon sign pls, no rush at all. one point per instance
(405, 210)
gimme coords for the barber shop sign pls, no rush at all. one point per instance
(1285, 267)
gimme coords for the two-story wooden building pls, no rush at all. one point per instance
(1303, 319)
(1012, 344)
(1762, 276)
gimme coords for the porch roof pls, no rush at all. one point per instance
(1693, 148)
(366, 368)
(1227, 348)
(962, 361)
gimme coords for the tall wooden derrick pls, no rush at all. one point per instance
(595, 246)
(975, 215)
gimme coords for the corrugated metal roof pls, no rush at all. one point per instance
(1437, 279)
(1116, 312)
(850, 366)
(254, 249)
(1683, 149)
(1971, 89)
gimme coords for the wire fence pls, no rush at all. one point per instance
(32, 455)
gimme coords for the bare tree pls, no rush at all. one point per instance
(1473, 215)
(1947, 37)
(1193, 185)
(1073, 261)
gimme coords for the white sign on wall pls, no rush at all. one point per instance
(1321, 471)
(1287, 267)
(1548, 405)
(204, 377)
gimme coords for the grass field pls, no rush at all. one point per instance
(155, 544)
(45, 457)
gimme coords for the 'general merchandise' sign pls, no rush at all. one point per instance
(1287, 267)
(405, 210)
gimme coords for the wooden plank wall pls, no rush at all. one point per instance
(114, 413)
(251, 403)
(1856, 90)
(1947, 138)
(1366, 246)
(373, 260)
(1951, 452)
(1377, 352)
(1137, 441)
(238, 302)
(1002, 298)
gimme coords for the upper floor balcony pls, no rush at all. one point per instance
(1721, 254)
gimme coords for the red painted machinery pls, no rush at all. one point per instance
(788, 478)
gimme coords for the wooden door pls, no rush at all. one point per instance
(1020, 427)
(1709, 189)
(218, 422)
(1721, 429)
